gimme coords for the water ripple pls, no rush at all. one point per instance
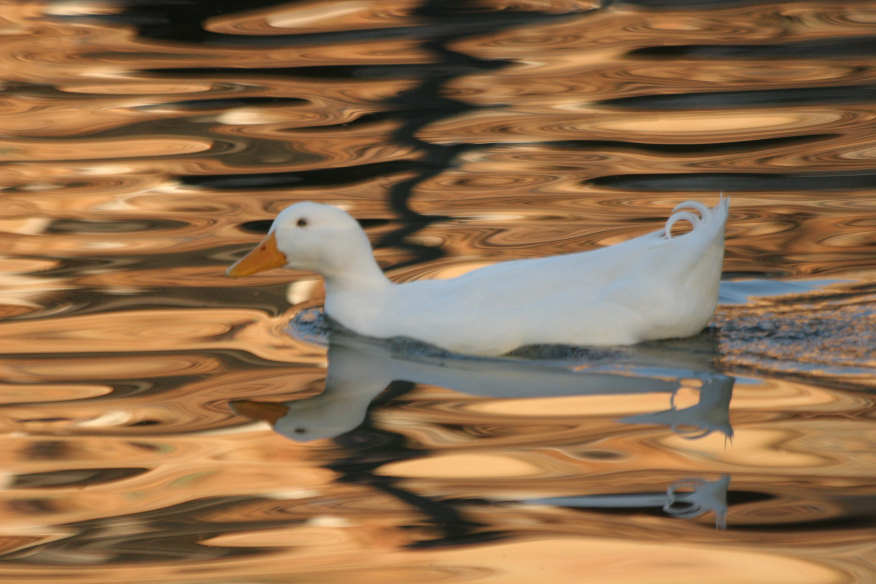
(146, 398)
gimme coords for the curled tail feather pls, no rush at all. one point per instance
(703, 214)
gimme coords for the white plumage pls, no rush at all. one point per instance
(650, 287)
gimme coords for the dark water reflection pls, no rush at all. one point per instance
(146, 145)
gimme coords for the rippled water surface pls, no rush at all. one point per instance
(163, 423)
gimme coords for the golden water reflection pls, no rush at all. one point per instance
(162, 424)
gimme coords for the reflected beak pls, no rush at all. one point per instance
(265, 411)
(265, 256)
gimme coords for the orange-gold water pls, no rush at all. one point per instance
(136, 166)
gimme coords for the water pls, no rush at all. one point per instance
(165, 423)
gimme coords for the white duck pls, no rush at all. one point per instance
(652, 287)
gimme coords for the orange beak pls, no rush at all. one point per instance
(265, 256)
(256, 410)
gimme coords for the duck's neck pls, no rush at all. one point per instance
(361, 275)
(356, 290)
(356, 296)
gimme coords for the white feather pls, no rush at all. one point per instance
(650, 287)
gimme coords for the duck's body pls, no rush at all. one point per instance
(651, 287)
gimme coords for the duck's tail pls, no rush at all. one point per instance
(704, 217)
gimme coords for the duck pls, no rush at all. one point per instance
(656, 286)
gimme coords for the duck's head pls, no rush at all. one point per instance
(308, 236)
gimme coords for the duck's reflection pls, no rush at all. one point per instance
(363, 372)
(683, 498)
(359, 369)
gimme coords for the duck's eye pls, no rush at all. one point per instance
(302, 222)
